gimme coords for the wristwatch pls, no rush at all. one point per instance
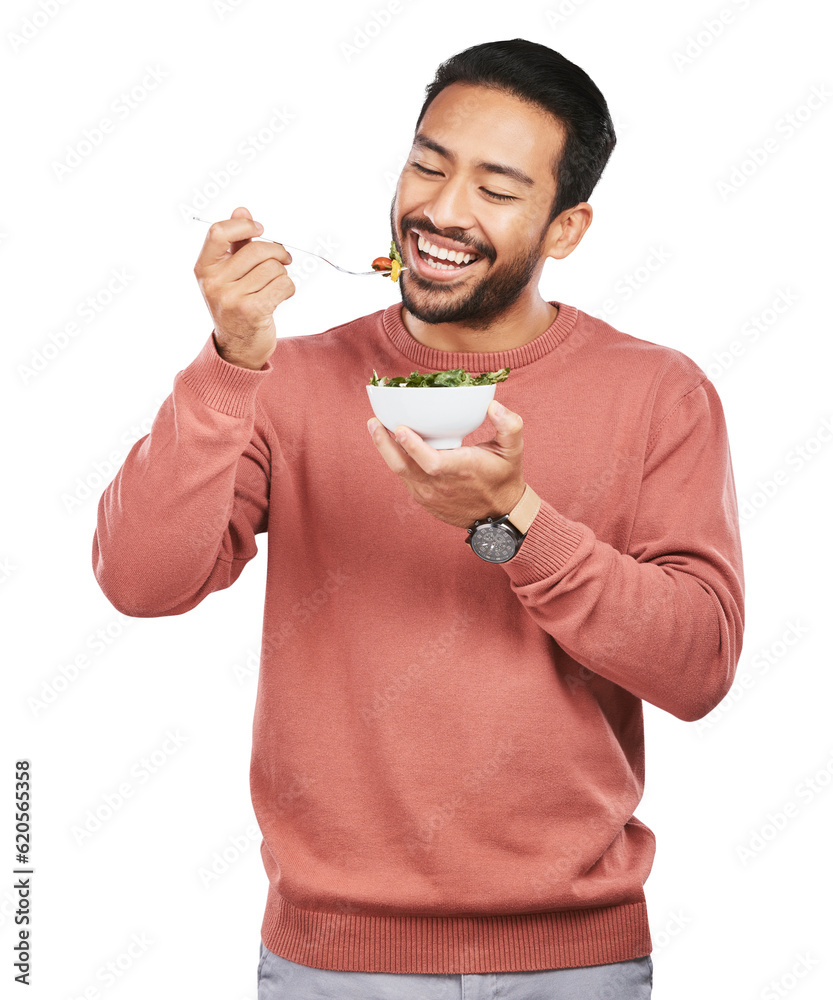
(497, 541)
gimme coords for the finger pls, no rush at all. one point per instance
(242, 213)
(397, 460)
(508, 425)
(429, 459)
(251, 256)
(282, 253)
(229, 236)
(225, 237)
(263, 276)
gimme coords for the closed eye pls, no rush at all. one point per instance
(437, 173)
(500, 197)
(425, 170)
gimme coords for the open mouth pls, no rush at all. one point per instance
(440, 259)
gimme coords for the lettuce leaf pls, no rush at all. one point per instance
(451, 377)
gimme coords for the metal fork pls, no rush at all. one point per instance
(301, 250)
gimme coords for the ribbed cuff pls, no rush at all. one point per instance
(551, 541)
(227, 388)
(524, 942)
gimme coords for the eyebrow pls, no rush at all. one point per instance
(421, 139)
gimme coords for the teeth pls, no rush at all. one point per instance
(458, 256)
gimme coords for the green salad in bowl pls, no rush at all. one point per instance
(440, 417)
(451, 377)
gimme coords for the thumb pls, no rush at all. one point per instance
(508, 424)
(241, 213)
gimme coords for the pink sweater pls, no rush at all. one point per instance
(447, 753)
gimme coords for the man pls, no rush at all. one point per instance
(448, 745)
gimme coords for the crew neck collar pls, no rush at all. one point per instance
(479, 361)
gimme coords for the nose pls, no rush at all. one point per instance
(450, 207)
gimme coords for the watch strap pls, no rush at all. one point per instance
(523, 513)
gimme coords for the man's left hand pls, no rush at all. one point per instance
(459, 485)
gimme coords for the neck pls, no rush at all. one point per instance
(522, 322)
(525, 320)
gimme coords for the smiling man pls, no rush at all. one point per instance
(496, 212)
(448, 739)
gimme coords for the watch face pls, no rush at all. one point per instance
(494, 543)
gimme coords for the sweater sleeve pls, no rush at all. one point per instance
(179, 519)
(663, 620)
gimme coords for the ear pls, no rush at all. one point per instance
(564, 233)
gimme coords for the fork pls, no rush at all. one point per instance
(301, 250)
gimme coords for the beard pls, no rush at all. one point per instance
(481, 302)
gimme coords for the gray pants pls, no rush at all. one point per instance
(280, 979)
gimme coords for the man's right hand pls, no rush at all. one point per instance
(242, 283)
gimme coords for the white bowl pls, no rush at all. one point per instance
(441, 415)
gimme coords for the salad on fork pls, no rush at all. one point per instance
(389, 266)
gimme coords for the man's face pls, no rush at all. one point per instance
(451, 194)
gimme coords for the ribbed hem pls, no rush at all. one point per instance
(478, 361)
(548, 546)
(526, 942)
(224, 387)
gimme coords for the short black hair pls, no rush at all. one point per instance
(542, 77)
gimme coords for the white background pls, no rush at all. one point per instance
(730, 914)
